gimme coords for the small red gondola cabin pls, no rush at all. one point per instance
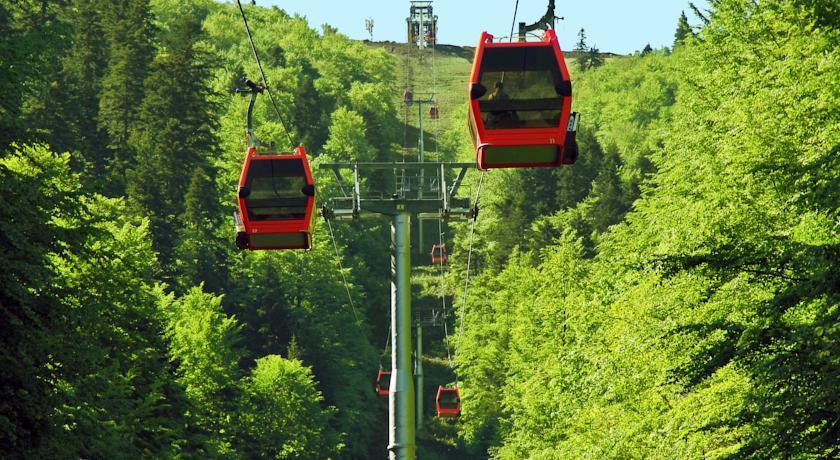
(383, 383)
(438, 253)
(434, 113)
(520, 104)
(276, 201)
(448, 402)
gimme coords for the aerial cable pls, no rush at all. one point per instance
(461, 321)
(262, 74)
(513, 23)
(443, 300)
(387, 344)
(341, 271)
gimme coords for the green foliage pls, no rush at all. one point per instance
(348, 137)
(288, 295)
(282, 415)
(11, 79)
(203, 346)
(79, 86)
(581, 48)
(175, 133)
(105, 361)
(36, 186)
(201, 245)
(683, 30)
(129, 35)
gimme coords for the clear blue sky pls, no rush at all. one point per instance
(618, 26)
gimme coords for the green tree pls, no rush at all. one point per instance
(594, 58)
(203, 345)
(41, 36)
(201, 246)
(581, 50)
(282, 413)
(129, 35)
(11, 80)
(607, 204)
(348, 137)
(683, 30)
(174, 134)
(79, 88)
(87, 369)
(37, 189)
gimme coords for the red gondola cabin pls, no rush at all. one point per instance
(438, 253)
(448, 402)
(276, 201)
(520, 104)
(383, 383)
(434, 113)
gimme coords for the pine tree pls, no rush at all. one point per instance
(78, 90)
(581, 49)
(39, 33)
(594, 58)
(200, 251)
(608, 207)
(174, 134)
(683, 30)
(129, 34)
(11, 77)
(647, 50)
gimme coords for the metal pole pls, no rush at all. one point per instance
(401, 413)
(418, 375)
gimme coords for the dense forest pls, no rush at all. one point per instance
(674, 294)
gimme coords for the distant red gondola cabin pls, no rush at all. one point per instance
(520, 104)
(276, 201)
(438, 253)
(448, 402)
(434, 114)
(383, 383)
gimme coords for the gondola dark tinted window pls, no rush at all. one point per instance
(522, 88)
(275, 190)
(448, 399)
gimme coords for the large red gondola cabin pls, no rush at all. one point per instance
(448, 402)
(520, 104)
(276, 201)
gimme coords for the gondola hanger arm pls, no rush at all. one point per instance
(546, 22)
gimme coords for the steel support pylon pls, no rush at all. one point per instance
(401, 413)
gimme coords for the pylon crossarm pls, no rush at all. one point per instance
(440, 205)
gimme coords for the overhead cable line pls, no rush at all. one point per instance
(262, 75)
(341, 271)
(513, 23)
(461, 321)
(443, 299)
